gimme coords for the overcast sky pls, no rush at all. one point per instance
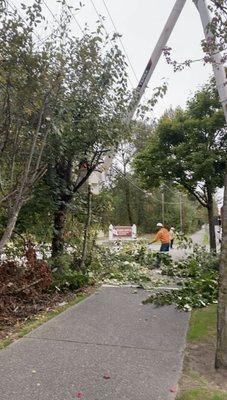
(140, 22)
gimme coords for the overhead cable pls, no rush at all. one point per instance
(133, 184)
(99, 16)
(120, 40)
(51, 12)
(14, 8)
(78, 24)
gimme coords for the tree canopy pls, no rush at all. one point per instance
(188, 149)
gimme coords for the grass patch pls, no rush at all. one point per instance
(199, 380)
(203, 323)
(34, 322)
(202, 394)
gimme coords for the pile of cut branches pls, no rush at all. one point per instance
(198, 285)
(23, 285)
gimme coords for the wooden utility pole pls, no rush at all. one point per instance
(163, 208)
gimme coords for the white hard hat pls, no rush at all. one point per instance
(159, 224)
(172, 228)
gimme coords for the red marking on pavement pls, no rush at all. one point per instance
(106, 376)
(173, 389)
(79, 395)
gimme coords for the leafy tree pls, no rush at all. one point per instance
(122, 170)
(189, 149)
(146, 208)
(61, 106)
(133, 205)
(88, 122)
(218, 28)
(215, 42)
(30, 79)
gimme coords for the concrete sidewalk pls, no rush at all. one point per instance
(109, 346)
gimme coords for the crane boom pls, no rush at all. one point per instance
(219, 72)
(98, 176)
(155, 56)
(218, 67)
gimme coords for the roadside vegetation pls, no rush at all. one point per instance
(199, 379)
(197, 281)
(29, 287)
(63, 102)
(31, 322)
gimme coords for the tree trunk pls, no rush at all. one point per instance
(23, 189)
(59, 230)
(86, 230)
(10, 225)
(127, 194)
(127, 198)
(210, 210)
(221, 352)
(63, 171)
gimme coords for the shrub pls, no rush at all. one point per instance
(70, 281)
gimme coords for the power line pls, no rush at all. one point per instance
(14, 8)
(51, 12)
(78, 24)
(120, 40)
(99, 17)
(133, 184)
(147, 193)
(70, 10)
(174, 192)
(153, 198)
(171, 190)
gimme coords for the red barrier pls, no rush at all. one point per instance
(122, 231)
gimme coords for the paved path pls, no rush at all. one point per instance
(109, 335)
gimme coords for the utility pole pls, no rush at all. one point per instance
(163, 208)
(181, 212)
(220, 77)
(218, 67)
(86, 229)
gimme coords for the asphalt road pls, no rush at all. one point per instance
(109, 346)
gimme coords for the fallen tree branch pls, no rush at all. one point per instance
(24, 287)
